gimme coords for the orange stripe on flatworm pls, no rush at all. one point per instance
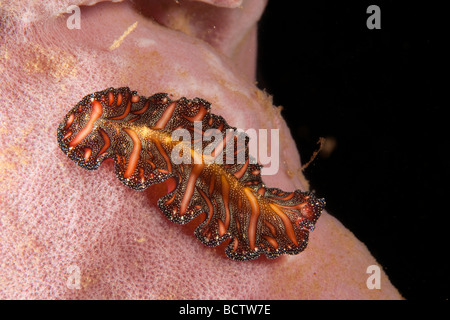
(253, 217)
(141, 111)
(70, 120)
(238, 226)
(238, 174)
(133, 119)
(199, 116)
(226, 198)
(165, 117)
(119, 99)
(96, 112)
(68, 134)
(164, 154)
(209, 204)
(170, 200)
(262, 190)
(214, 201)
(106, 140)
(141, 175)
(299, 206)
(125, 113)
(288, 197)
(150, 154)
(134, 156)
(222, 229)
(110, 98)
(87, 154)
(272, 241)
(135, 98)
(294, 212)
(271, 228)
(181, 167)
(193, 176)
(287, 223)
(151, 163)
(235, 244)
(211, 185)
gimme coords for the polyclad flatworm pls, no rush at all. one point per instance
(137, 133)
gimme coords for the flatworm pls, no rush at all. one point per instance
(136, 132)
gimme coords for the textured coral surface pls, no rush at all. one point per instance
(57, 217)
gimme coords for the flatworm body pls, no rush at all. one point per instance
(136, 132)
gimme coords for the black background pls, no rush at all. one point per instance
(374, 92)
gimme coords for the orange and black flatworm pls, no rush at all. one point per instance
(135, 132)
